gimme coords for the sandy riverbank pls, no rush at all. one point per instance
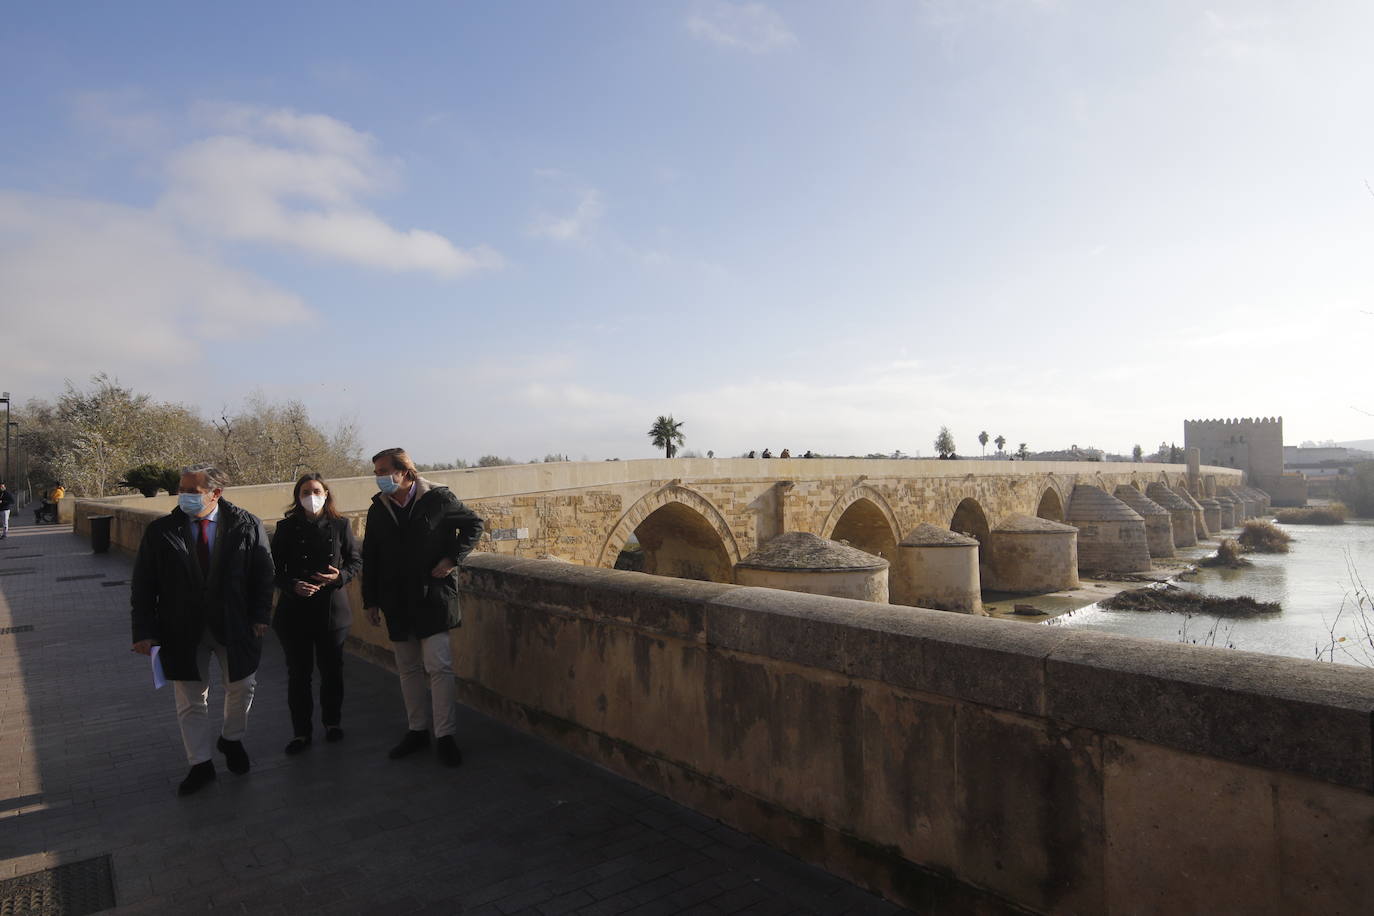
(1094, 588)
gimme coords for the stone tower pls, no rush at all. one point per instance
(1254, 445)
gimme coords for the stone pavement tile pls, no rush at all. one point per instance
(89, 764)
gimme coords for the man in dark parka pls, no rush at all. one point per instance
(202, 585)
(417, 534)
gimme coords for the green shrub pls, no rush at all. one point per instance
(1260, 536)
(149, 478)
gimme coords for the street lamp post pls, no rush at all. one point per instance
(5, 396)
(9, 425)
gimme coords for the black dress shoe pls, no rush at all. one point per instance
(235, 757)
(448, 752)
(333, 733)
(296, 745)
(201, 775)
(411, 743)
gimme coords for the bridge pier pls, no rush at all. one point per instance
(1180, 514)
(1159, 531)
(1199, 516)
(1031, 555)
(1246, 505)
(1230, 510)
(797, 561)
(1111, 536)
(938, 568)
(1211, 511)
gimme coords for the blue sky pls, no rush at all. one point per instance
(522, 228)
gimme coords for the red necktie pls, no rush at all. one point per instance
(203, 545)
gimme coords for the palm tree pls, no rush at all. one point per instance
(667, 434)
(1000, 442)
(1023, 453)
(983, 441)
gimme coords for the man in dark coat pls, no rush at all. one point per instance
(202, 586)
(417, 534)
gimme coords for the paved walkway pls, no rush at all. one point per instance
(90, 758)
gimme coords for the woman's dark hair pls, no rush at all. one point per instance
(295, 508)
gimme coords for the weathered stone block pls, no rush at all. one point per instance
(1326, 845)
(1186, 834)
(1030, 820)
(1241, 706)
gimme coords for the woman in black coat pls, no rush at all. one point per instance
(316, 556)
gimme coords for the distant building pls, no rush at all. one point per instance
(1327, 461)
(1253, 445)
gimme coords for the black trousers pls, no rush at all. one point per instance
(303, 651)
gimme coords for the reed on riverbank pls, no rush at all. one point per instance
(1229, 555)
(1332, 514)
(1177, 600)
(1259, 536)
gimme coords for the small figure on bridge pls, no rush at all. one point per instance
(6, 504)
(785, 454)
(766, 454)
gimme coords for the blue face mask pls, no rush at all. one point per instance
(387, 485)
(193, 504)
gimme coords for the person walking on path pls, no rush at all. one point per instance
(6, 504)
(417, 534)
(315, 556)
(202, 586)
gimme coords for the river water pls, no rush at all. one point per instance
(1311, 582)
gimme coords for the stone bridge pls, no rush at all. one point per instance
(698, 518)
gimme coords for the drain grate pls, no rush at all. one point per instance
(115, 582)
(74, 889)
(82, 576)
(18, 571)
(22, 628)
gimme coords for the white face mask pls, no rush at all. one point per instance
(312, 502)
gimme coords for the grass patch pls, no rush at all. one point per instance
(1229, 555)
(1333, 514)
(1259, 536)
(1177, 600)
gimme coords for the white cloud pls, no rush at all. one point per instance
(91, 285)
(751, 27)
(572, 227)
(285, 178)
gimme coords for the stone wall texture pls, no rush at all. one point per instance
(953, 763)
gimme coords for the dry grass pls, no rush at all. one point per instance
(1333, 514)
(1228, 555)
(1259, 536)
(1186, 602)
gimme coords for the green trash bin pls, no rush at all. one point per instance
(100, 533)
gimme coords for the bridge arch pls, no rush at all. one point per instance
(969, 518)
(865, 519)
(681, 534)
(1051, 505)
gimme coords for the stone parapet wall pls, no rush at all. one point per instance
(948, 761)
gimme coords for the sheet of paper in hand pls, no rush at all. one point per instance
(159, 681)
